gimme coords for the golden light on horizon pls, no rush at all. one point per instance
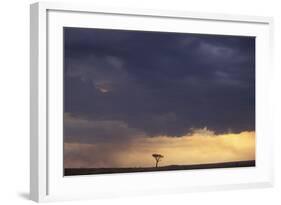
(201, 147)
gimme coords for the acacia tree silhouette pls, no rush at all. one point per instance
(157, 158)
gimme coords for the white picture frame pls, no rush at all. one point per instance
(46, 177)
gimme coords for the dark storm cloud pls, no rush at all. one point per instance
(159, 83)
(98, 131)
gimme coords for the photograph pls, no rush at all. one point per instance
(146, 101)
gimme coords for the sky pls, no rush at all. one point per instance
(129, 94)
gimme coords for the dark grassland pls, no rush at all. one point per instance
(87, 171)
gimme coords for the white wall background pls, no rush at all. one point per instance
(14, 101)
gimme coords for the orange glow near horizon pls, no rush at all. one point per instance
(200, 147)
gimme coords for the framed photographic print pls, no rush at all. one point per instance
(129, 101)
